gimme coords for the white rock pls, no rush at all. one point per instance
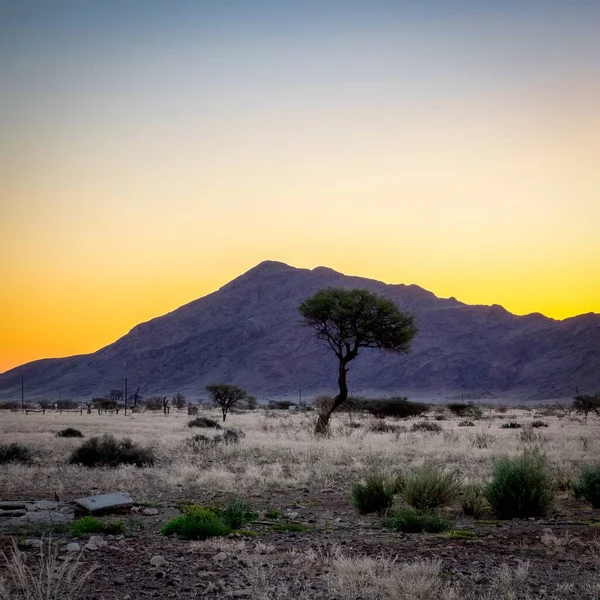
(89, 546)
(97, 541)
(73, 547)
(149, 511)
(32, 543)
(158, 561)
(219, 557)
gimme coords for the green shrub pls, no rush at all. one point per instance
(521, 486)
(538, 424)
(400, 408)
(410, 520)
(92, 525)
(17, 453)
(588, 485)
(273, 513)
(461, 534)
(106, 451)
(376, 494)
(237, 514)
(426, 426)
(473, 500)
(431, 486)
(70, 432)
(197, 523)
(204, 422)
(511, 425)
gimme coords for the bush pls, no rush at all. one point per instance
(106, 451)
(466, 424)
(430, 486)
(196, 524)
(461, 409)
(426, 426)
(383, 427)
(92, 525)
(70, 432)
(237, 514)
(473, 500)
(588, 485)
(376, 494)
(15, 453)
(204, 422)
(538, 424)
(400, 408)
(521, 486)
(414, 521)
(510, 425)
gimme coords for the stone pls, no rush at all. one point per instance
(12, 513)
(119, 580)
(104, 502)
(8, 505)
(219, 557)
(97, 541)
(158, 561)
(46, 505)
(73, 547)
(149, 512)
(90, 546)
(32, 543)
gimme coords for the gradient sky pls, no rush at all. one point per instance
(152, 151)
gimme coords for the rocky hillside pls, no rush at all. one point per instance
(249, 332)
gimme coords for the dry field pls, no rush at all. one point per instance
(336, 553)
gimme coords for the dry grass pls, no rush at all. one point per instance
(279, 452)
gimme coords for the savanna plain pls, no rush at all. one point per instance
(262, 508)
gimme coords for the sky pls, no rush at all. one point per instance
(153, 151)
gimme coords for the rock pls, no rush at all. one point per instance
(73, 547)
(104, 502)
(7, 505)
(46, 505)
(119, 580)
(13, 513)
(97, 541)
(158, 561)
(90, 546)
(291, 515)
(32, 543)
(135, 509)
(149, 512)
(219, 557)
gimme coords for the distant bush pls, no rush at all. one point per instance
(70, 432)
(588, 485)
(228, 437)
(473, 500)
(91, 525)
(399, 408)
(521, 487)
(106, 451)
(430, 486)
(414, 521)
(237, 514)
(511, 425)
(204, 422)
(466, 424)
(426, 426)
(586, 404)
(17, 453)
(197, 524)
(376, 494)
(482, 439)
(462, 409)
(538, 424)
(382, 427)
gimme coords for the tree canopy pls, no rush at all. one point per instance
(226, 396)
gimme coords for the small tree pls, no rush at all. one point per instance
(226, 396)
(586, 404)
(179, 401)
(347, 320)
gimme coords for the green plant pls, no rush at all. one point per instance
(196, 523)
(522, 486)
(204, 422)
(273, 513)
(14, 452)
(91, 525)
(410, 520)
(376, 494)
(588, 485)
(431, 486)
(237, 514)
(461, 534)
(511, 425)
(69, 432)
(473, 500)
(426, 426)
(290, 527)
(106, 451)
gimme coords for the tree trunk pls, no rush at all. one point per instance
(224, 411)
(322, 426)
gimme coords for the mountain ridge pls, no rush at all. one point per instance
(249, 332)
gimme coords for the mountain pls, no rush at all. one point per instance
(250, 333)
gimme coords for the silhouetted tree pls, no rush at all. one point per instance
(586, 404)
(347, 320)
(179, 401)
(226, 396)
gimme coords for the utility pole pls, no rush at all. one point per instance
(22, 394)
(125, 396)
(300, 403)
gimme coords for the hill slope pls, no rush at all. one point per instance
(249, 332)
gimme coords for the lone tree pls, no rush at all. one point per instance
(586, 404)
(347, 320)
(226, 396)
